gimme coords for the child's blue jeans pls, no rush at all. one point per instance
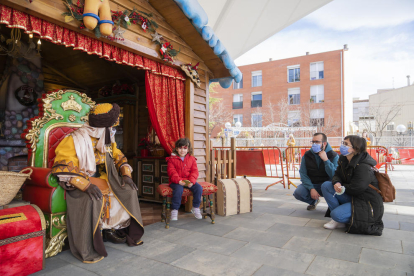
(196, 189)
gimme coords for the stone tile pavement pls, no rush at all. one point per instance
(280, 237)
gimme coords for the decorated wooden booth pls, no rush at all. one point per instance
(58, 59)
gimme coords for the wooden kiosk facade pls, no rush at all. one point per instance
(81, 70)
(172, 25)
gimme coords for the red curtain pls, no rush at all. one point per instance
(165, 101)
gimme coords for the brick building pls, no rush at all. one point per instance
(310, 90)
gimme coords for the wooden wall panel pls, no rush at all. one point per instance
(199, 122)
(200, 114)
(199, 137)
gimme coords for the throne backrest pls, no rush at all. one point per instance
(60, 113)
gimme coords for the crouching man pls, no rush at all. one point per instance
(318, 166)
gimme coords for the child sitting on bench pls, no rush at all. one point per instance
(183, 173)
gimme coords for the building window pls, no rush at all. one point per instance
(238, 118)
(256, 120)
(238, 85)
(317, 117)
(294, 96)
(294, 73)
(316, 70)
(317, 94)
(294, 118)
(256, 78)
(237, 101)
(390, 127)
(256, 99)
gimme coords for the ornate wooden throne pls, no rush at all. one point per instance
(60, 113)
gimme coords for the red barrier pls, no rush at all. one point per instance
(379, 153)
(260, 162)
(405, 155)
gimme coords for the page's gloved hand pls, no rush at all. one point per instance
(130, 182)
(94, 192)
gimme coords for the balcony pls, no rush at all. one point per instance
(237, 105)
(257, 103)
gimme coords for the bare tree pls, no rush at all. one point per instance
(218, 114)
(331, 127)
(382, 115)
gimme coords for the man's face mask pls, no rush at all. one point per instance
(316, 148)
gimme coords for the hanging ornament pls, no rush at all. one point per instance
(118, 34)
(156, 37)
(38, 47)
(126, 18)
(144, 26)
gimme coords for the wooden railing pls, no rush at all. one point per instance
(222, 162)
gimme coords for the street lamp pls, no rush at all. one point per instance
(400, 129)
(400, 132)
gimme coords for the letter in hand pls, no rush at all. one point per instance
(337, 187)
(94, 192)
(130, 182)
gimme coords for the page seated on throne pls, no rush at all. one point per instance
(102, 201)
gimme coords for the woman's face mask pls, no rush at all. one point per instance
(344, 148)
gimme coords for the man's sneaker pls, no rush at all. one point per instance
(333, 225)
(313, 206)
(196, 212)
(174, 214)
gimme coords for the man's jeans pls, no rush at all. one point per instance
(340, 205)
(303, 194)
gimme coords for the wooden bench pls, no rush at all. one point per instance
(166, 192)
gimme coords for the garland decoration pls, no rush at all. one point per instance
(192, 72)
(124, 19)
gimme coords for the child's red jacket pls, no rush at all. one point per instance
(182, 170)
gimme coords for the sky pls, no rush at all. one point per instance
(379, 34)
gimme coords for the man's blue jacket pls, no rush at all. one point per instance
(330, 167)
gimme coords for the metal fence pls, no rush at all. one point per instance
(385, 141)
(394, 141)
(271, 142)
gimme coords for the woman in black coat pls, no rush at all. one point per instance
(360, 207)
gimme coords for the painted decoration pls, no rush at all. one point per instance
(192, 73)
(148, 190)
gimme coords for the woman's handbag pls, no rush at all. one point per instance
(386, 189)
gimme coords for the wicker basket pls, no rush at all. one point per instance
(10, 183)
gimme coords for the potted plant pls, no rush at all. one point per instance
(145, 145)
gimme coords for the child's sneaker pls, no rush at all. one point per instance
(174, 214)
(196, 212)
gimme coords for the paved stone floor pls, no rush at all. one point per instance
(280, 237)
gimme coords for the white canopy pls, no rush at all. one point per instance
(243, 24)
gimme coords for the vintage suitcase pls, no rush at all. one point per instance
(234, 196)
(22, 240)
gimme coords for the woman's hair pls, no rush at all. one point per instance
(183, 142)
(359, 144)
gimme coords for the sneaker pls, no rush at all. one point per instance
(313, 206)
(333, 225)
(174, 214)
(196, 212)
